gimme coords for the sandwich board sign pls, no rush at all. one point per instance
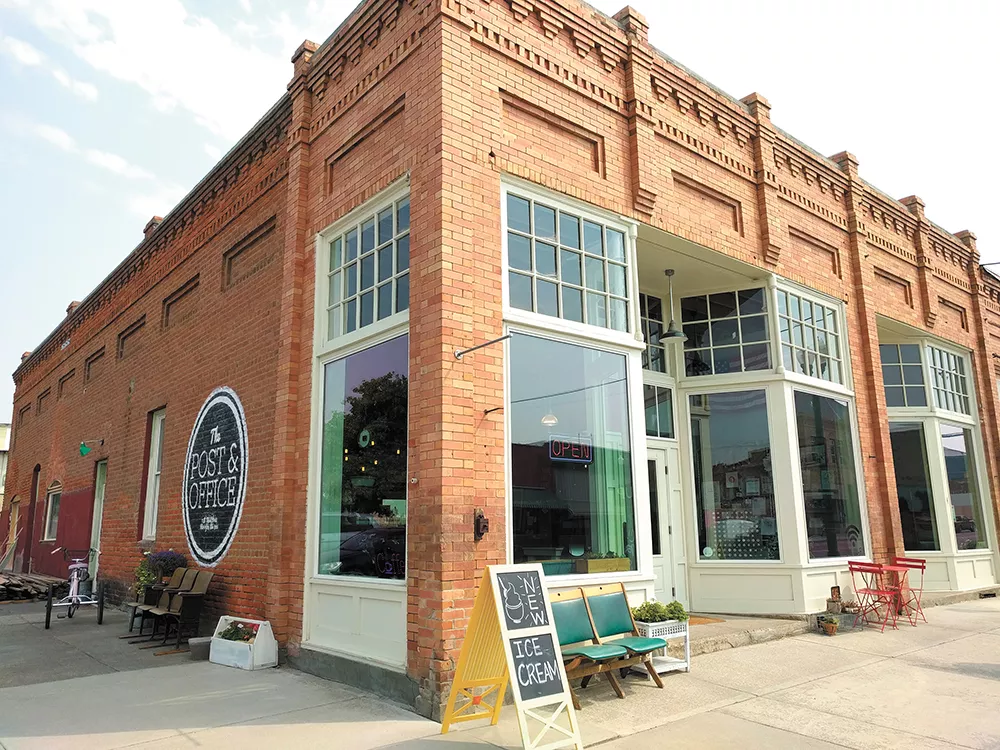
(511, 640)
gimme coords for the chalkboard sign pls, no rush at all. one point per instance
(523, 599)
(215, 477)
(511, 640)
(536, 666)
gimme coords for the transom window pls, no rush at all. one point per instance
(948, 379)
(565, 265)
(368, 278)
(810, 338)
(654, 356)
(726, 332)
(659, 411)
(903, 375)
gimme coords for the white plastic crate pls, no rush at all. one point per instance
(667, 630)
(260, 654)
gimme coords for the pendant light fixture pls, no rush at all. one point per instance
(550, 420)
(672, 334)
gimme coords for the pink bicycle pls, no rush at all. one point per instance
(79, 572)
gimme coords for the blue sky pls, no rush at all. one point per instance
(110, 110)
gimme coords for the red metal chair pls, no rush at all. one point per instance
(872, 593)
(909, 598)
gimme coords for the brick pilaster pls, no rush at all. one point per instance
(876, 449)
(925, 259)
(773, 232)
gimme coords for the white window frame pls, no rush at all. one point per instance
(322, 344)
(153, 472)
(54, 490)
(837, 307)
(595, 333)
(643, 574)
(815, 389)
(930, 369)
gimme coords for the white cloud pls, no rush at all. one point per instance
(55, 136)
(116, 164)
(25, 54)
(158, 202)
(22, 52)
(225, 79)
(245, 4)
(214, 152)
(84, 90)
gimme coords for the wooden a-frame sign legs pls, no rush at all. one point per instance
(511, 640)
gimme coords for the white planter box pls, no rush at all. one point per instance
(666, 630)
(260, 654)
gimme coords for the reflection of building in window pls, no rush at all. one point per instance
(829, 479)
(734, 485)
(913, 486)
(970, 531)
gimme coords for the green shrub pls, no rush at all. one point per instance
(654, 611)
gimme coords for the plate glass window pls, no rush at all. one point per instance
(903, 375)
(913, 486)
(733, 479)
(829, 477)
(571, 459)
(810, 337)
(363, 470)
(948, 379)
(368, 278)
(726, 332)
(566, 265)
(966, 504)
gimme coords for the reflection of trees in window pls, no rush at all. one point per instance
(375, 446)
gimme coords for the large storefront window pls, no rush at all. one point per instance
(570, 457)
(913, 486)
(733, 479)
(363, 482)
(829, 478)
(970, 530)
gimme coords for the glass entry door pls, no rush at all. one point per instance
(95, 526)
(669, 561)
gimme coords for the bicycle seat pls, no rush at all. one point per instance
(77, 564)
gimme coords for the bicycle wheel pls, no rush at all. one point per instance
(48, 608)
(71, 610)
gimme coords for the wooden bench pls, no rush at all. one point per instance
(587, 623)
(159, 594)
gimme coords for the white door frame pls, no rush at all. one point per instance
(670, 565)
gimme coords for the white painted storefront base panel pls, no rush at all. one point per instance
(746, 590)
(359, 621)
(974, 571)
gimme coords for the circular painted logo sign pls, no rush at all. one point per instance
(215, 477)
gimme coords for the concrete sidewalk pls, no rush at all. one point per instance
(934, 686)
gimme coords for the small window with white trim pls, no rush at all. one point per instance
(368, 273)
(810, 337)
(565, 264)
(949, 381)
(654, 357)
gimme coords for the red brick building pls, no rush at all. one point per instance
(444, 173)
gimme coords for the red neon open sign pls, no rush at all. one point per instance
(573, 450)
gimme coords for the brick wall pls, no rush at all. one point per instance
(452, 94)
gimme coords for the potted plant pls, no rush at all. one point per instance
(609, 562)
(653, 618)
(829, 624)
(165, 562)
(244, 644)
(145, 575)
